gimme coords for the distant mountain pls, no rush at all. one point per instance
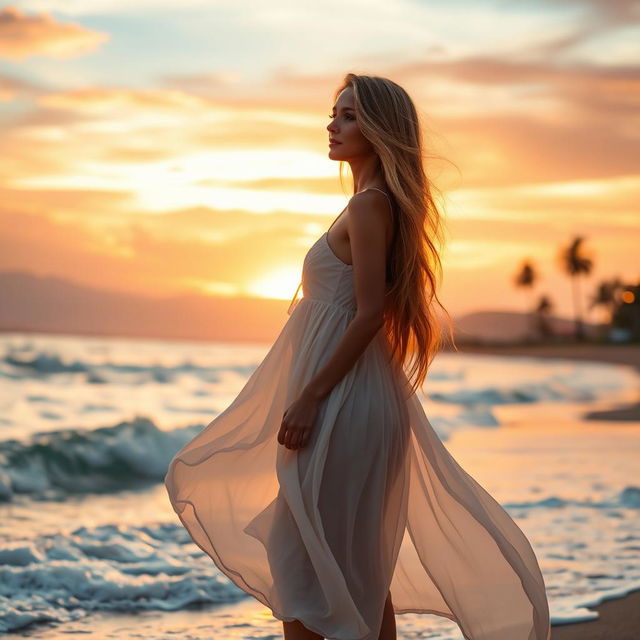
(55, 305)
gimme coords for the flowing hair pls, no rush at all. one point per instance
(388, 118)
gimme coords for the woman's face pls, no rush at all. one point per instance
(344, 130)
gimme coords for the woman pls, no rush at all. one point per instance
(322, 490)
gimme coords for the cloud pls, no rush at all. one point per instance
(600, 18)
(105, 100)
(97, 7)
(22, 35)
(11, 88)
(182, 249)
(505, 122)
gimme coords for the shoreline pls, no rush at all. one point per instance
(618, 619)
(617, 610)
(623, 354)
(626, 354)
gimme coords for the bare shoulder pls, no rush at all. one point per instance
(369, 211)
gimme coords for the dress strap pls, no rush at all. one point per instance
(291, 304)
(380, 190)
(388, 198)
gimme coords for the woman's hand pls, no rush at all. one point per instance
(297, 422)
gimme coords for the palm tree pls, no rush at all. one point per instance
(543, 309)
(606, 295)
(526, 276)
(576, 263)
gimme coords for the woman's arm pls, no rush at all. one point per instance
(367, 222)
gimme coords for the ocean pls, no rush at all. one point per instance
(89, 542)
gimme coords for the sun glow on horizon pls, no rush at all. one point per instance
(280, 284)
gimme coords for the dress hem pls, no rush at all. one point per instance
(236, 578)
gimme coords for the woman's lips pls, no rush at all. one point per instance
(332, 143)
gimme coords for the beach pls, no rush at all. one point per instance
(618, 354)
(619, 618)
(91, 546)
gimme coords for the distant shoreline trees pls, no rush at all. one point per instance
(620, 301)
(575, 264)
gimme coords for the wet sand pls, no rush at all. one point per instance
(618, 619)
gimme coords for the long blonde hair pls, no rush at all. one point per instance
(388, 118)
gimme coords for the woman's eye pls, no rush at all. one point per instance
(347, 115)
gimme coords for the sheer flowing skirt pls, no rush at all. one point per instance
(374, 502)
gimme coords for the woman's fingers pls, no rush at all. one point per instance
(297, 423)
(294, 434)
(284, 435)
(294, 437)
(283, 428)
(288, 437)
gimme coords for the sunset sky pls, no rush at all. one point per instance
(159, 147)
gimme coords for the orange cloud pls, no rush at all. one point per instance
(101, 99)
(149, 190)
(197, 250)
(22, 35)
(11, 88)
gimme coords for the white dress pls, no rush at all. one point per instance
(374, 502)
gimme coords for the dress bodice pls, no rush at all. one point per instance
(326, 277)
